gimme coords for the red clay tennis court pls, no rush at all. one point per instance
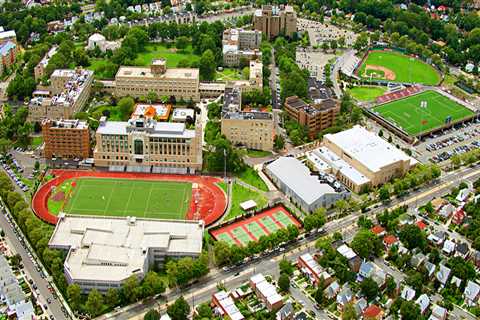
(208, 201)
(251, 229)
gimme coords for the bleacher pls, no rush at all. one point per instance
(399, 94)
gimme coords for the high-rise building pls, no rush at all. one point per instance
(316, 117)
(240, 44)
(182, 83)
(273, 21)
(66, 139)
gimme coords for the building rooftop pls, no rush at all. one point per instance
(266, 289)
(367, 148)
(7, 47)
(293, 173)
(145, 72)
(311, 109)
(228, 306)
(48, 55)
(68, 124)
(154, 128)
(247, 115)
(112, 249)
(181, 114)
(149, 111)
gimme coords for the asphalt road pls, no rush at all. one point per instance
(55, 308)
(203, 290)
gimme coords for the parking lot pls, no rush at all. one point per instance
(14, 171)
(319, 32)
(314, 60)
(441, 147)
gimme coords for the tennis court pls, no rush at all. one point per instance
(256, 230)
(251, 229)
(241, 235)
(281, 217)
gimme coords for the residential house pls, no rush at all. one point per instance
(446, 211)
(437, 203)
(354, 261)
(408, 293)
(471, 293)
(380, 277)
(430, 269)
(417, 260)
(378, 230)
(443, 274)
(286, 312)
(458, 217)
(438, 313)
(225, 306)
(266, 292)
(437, 238)
(448, 247)
(422, 225)
(360, 305)
(366, 270)
(423, 302)
(476, 258)
(373, 312)
(310, 267)
(462, 250)
(456, 281)
(389, 241)
(332, 290)
(463, 195)
(344, 297)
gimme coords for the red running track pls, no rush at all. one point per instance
(208, 202)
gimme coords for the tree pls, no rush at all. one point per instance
(365, 222)
(333, 45)
(369, 288)
(284, 282)
(153, 281)
(361, 42)
(152, 314)
(390, 286)
(325, 46)
(130, 289)
(286, 267)
(349, 312)
(221, 252)
(319, 295)
(366, 243)
(413, 237)
(152, 96)
(384, 193)
(181, 42)
(74, 294)
(94, 304)
(111, 297)
(246, 73)
(279, 142)
(125, 105)
(179, 310)
(204, 311)
(207, 65)
(214, 110)
(409, 310)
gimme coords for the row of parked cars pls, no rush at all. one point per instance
(458, 150)
(452, 140)
(14, 176)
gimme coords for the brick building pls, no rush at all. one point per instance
(66, 139)
(273, 21)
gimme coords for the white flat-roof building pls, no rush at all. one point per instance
(359, 157)
(226, 307)
(104, 252)
(308, 191)
(181, 114)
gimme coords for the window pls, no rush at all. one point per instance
(138, 146)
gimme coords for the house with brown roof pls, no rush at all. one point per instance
(373, 312)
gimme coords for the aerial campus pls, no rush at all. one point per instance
(200, 159)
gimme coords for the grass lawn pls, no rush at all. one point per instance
(405, 68)
(128, 197)
(408, 114)
(366, 93)
(115, 114)
(251, 177)
(173, 56)
(228, 75)
(241, 194)
(258, 153)
(100, 69)
(36, 141)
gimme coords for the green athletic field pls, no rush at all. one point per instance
(366, 93)
(128, 197)
(407, 113)
(405, 68)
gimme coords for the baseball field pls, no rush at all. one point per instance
(397, 67)
(409, 114)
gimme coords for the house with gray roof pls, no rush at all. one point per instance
(360, 305)
(344, 297)
(417, 260)
(471, 293)
(438, 313)
(443, 274)
(408, 293)
(366, 270)
(423, 302)
(430, 268)
(332, 290)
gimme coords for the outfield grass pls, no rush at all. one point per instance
(406, 68)
(408, 114)
(127, 197)
(241, 194)
(366, 93)
(173, 56)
